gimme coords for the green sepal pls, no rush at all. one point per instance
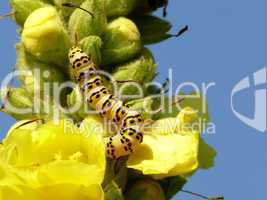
(113, 192)
(92, 46)
(116, 170)
(67, 11)
(116, 8)
(26, 62)
(172, 186)
(82, 24)
(141, 70)
(23, 8)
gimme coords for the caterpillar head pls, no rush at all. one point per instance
(78, 58)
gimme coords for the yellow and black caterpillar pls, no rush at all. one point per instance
(129, 123)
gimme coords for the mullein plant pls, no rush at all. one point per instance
(46, 159)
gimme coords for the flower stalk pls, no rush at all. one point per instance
(43, 158)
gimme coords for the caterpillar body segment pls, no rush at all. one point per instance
(128, 123)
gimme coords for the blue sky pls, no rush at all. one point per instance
(226, 42)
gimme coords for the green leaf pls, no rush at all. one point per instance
(173, 185)
(152, 29)
(216, 198)
(206, 155)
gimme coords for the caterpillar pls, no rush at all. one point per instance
(129, 123)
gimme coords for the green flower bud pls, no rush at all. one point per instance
(66, 11)
(141, 70)
(18, 103)
(23, 8)
(121, 41)
(145, 190)
(92, 46)
(17, 99)
(82, 24)
(152, 29)
(41, 75)
(45, 37)
(116, 8)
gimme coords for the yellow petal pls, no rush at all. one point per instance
(166, 155)
(70, 172)
(164, 126)
(72, 191)
(50, 142)
(25, 124)
(54, 161)
(93, 125)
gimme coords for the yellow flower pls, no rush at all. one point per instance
(165, 151)
(51, 161)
